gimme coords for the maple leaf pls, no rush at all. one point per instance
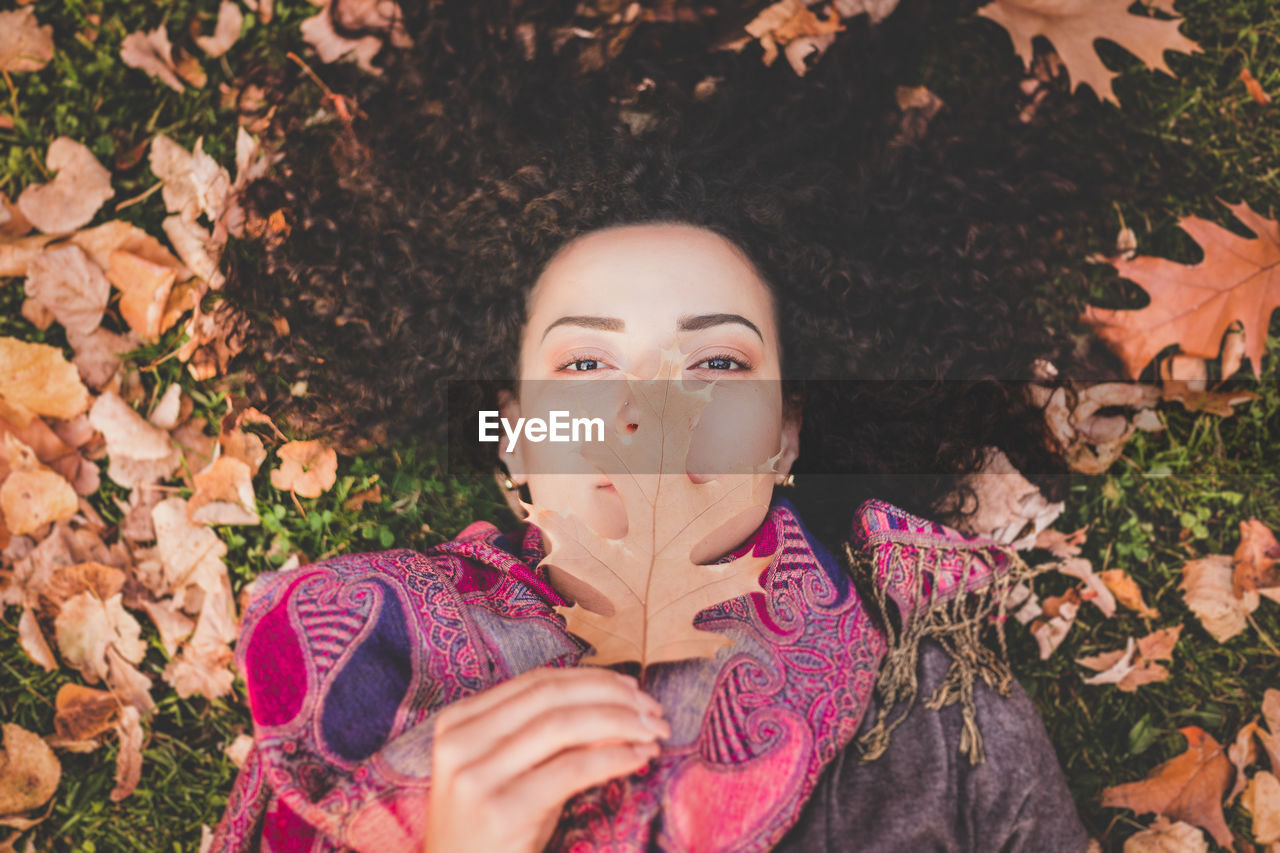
(636, 596)
(1187, 787)
(1195, 305)
(1073, 26)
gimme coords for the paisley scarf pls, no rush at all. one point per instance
(347, 661)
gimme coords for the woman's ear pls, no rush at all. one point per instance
(791, 420)
(509, 410)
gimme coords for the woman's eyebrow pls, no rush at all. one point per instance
(687, 323)
(706, 321)
(608, 324)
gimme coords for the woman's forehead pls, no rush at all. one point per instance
(648, 267)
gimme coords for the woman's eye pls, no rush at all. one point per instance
(722, 362)
(590, 364)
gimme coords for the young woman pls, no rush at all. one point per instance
(435, 700)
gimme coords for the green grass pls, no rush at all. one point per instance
(1174, 496)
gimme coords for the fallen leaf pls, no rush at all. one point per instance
(32, 499)
(1188, 787)
(635, 597)
(1164, 836)
(1010, 509)
(144, 292)
(191, 554)
(1127, 592)
(24, 44)
(29, 771)
(129, 758)
(1220, 403)
(38, 378)
(71, 286)
(238, 749)
(174, 625)
(82, 712)
(152, 53)
(248, 448)
(1195, 305)
(1136, 664)
(1254, 88)
(318, 32)
(86, 626)
(224, 494)
(307, 468)
(1072, 26)
(792, 25)
(192, 181)
(98, 355)
(138, 452)
(356, 502)
(1262, 799)
(1242, 752)
(101, 240)
(225, 32)
(1207, 589)
(1255, 559)
(16, 254)
(190, 70)
(382, 15)
(80, 186)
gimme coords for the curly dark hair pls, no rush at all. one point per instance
(907, 265)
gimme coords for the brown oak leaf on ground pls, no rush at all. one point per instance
(1072, 26)
(1188, 787)
(1195, 305)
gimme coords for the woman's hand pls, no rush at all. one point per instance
(505, 760)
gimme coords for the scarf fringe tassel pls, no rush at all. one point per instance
(957, 622)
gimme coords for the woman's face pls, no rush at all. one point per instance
(605, 306)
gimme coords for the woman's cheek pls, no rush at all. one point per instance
(741, 426)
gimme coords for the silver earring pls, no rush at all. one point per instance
(508, 484)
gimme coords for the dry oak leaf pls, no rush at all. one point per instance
(71, 199)
(1188, 787)
(39, 379)
(1073, 25)
(307, 468)
(636, 596)
(87, 625)
(1195, 305)
(1165, 836)
(29, 771)
(24, 44)
(151, 52)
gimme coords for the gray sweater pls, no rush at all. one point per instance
(922, 794)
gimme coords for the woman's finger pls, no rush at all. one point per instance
(551, 783)
(560, 729)
(467, 738)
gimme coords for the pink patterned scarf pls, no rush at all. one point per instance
(346, 662)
